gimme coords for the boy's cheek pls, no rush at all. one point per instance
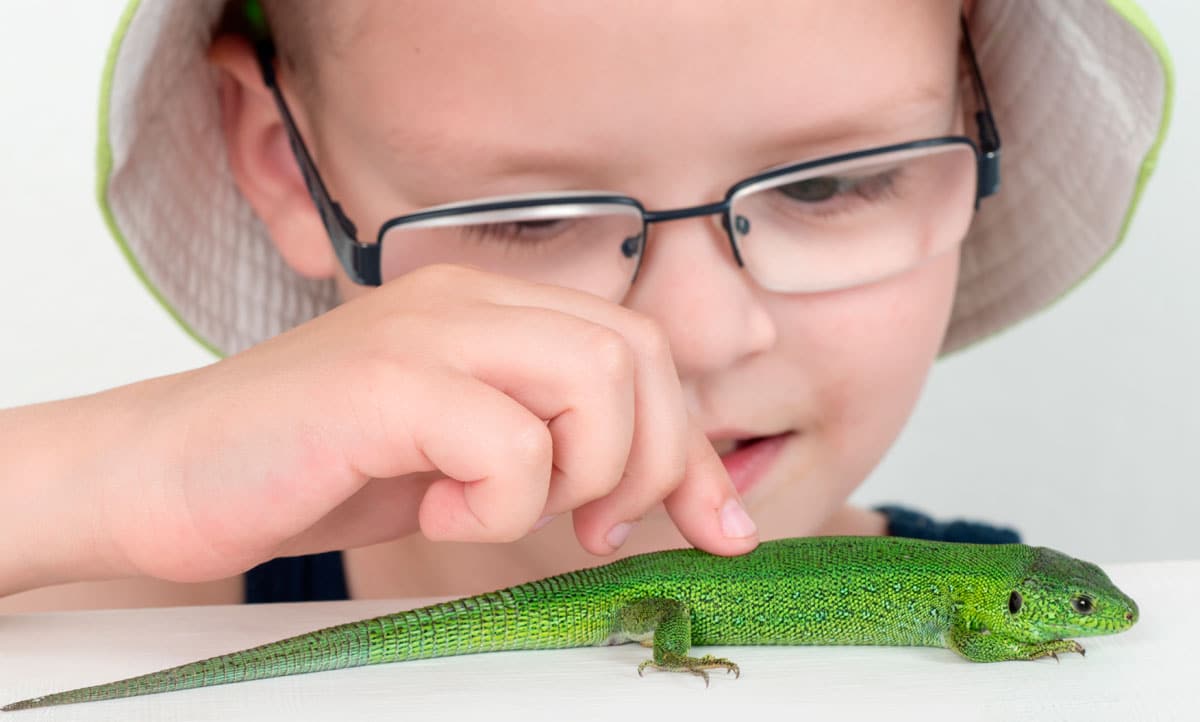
(862, 357)
(883, 344)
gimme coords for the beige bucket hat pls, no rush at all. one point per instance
(1081, 92)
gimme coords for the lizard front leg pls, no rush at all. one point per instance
(980, 645)
(671, 623)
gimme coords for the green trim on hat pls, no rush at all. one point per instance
(104, 165)
(1133, 14)
(1137, 17)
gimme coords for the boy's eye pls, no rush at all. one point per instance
(828, 188)
(519, 231)
(812, 190)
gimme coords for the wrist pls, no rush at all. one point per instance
(60, 461)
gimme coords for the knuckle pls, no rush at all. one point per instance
(578, 487)
(610, 357)
(530, 446)
(593, 485)
(503, 528)
(664, 471)
(653, 341)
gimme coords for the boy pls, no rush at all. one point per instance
(491, 367)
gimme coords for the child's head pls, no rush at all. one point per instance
(408, 105)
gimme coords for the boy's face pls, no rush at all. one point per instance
(416, 104)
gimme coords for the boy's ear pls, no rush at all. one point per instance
(262, 162)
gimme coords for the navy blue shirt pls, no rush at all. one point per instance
(322, 577)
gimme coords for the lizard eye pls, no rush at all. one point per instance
(1014, 602)
(1083, 604)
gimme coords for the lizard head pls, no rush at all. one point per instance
(1060, 596)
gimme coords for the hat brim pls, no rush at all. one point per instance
(1081, 92)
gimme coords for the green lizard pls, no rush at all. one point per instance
(986, 602)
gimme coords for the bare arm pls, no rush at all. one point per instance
(55, 553)
(56, 459)
(521, 401)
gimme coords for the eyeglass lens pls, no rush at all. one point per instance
(823, 228)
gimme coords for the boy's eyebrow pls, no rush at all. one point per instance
(921, 111)
(513, 156)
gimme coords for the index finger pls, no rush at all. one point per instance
(706, 507)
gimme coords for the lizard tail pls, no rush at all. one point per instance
(488, 622)
(545, 614)
(337, 647)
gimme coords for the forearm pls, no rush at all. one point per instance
(56, 461)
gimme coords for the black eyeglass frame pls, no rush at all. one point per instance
(362, 261)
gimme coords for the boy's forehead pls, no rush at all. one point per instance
(573, 79)
(782, 41)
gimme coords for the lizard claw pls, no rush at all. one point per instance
(693, 665)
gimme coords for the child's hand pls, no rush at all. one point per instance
(517, 401)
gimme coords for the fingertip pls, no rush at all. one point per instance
(738, 534)
(618, 534)
(706, 507)
(715, 526)
(726, 547)
(735, 521)
(737, 547)
(597, 534)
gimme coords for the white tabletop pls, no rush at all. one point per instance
(1149, 673)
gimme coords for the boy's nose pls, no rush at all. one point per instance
(709, 307)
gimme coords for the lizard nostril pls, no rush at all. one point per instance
(1128, 616)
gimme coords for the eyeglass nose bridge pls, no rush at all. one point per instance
(724, 208)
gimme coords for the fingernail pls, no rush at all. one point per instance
(544, 521)
(735, 522)
(618, 534)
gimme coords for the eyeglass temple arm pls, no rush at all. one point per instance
(989, 137)
(361, 261)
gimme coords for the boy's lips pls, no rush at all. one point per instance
(727, 440)
(748, 458)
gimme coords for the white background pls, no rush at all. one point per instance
(1080, 427)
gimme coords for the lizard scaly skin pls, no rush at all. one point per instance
(987, 602)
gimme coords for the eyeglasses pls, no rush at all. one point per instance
(820, 225)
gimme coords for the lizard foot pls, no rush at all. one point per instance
(693, 665)
(1052, 649)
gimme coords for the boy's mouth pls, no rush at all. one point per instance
(748, 459)
(728, 445)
